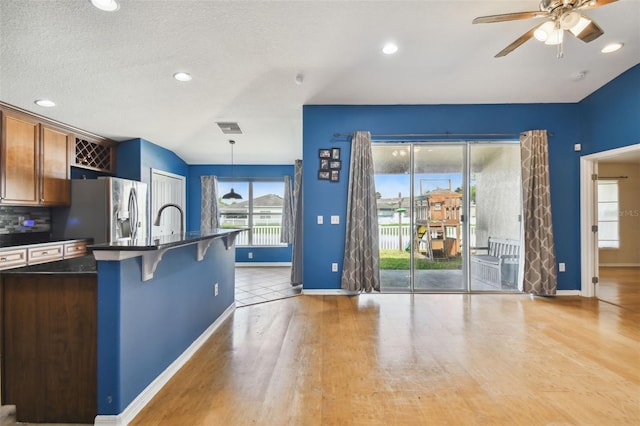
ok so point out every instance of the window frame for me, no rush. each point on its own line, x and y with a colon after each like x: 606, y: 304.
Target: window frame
x: 251, y: 213
x: 616, y: 204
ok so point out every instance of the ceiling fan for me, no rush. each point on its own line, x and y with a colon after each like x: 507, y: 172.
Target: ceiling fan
x: 561, y: 16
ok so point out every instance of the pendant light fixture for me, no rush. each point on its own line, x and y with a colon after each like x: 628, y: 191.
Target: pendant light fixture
x: 231, y: 195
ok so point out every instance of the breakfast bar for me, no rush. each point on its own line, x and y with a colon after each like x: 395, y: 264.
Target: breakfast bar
x: 159, y: 299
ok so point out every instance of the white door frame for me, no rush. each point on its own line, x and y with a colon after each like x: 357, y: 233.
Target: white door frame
x: 588, y: 245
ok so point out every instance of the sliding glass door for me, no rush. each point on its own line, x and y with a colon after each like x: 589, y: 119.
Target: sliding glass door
x: 440, y: 207
x: 392, y: 165
x: 438, y: 182
x: 495, y: 216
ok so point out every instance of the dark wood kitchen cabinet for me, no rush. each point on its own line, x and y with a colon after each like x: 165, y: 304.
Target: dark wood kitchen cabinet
x: 35, y: 161
x: 49, y: 343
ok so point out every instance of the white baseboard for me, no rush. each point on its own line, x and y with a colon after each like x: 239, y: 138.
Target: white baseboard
x: 619, y: 265
x: 568, y: 293
x: 337, y: 292
x: 158, y: 383
x: 261, y: 264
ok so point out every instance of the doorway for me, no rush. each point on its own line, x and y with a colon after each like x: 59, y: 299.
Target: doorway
x: 611, y: 256
x: 167, y: 188
x: 439, y: 206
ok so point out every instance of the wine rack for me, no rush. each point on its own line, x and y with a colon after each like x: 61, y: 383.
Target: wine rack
x: 94, y: 155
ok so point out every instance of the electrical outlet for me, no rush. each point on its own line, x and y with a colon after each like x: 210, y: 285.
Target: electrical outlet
x: 335, y: 220
x: 250, y: 255
x: 561, y: 267
x: 334, y: 267
x: 215, y: 289
x: 320, y: 220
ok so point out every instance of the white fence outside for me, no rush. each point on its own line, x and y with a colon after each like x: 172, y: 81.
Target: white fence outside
x: 388, y: 237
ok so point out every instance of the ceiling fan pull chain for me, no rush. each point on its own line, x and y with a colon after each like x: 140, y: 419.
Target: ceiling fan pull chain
x: 560, y: 51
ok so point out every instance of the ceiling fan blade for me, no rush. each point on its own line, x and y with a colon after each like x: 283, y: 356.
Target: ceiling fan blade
x: 591, y: 32
x: 510, y: 17
x: 519, y: 42
x: 590, y: 4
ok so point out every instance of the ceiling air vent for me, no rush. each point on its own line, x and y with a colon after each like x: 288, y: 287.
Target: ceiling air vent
x: 229, y: 128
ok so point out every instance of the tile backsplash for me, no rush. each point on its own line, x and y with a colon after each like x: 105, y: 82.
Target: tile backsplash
x: 10, y: 217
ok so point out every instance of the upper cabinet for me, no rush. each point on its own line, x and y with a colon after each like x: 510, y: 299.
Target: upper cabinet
x: 19, y: 159
x: 36, y: 154
x: 55, y: 149
x: 35, y: 160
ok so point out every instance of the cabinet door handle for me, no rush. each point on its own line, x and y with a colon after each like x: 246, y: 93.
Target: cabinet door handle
x: 45, y: 252
x: 3, y: 259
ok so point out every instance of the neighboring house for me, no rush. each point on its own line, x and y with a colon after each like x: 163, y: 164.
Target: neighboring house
x: 267, y: 210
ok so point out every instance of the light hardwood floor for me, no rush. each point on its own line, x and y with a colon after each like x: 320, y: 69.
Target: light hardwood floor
x: 400, y: 359
x: 620, y: 286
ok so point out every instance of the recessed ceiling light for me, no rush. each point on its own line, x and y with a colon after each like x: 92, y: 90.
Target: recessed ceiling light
x: 106, y: 5
x: 45, y: 103
x: 390, y: 48
x: 611, y: 47
x: 182, y: 76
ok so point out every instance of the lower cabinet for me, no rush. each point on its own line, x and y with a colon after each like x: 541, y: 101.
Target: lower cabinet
x: 49, y: 328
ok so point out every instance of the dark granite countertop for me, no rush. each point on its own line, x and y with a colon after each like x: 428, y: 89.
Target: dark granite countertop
x: 165, y: 241
x: 79, y: 265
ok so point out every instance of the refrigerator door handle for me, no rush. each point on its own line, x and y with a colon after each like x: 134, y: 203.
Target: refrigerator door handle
x: 133, y: 213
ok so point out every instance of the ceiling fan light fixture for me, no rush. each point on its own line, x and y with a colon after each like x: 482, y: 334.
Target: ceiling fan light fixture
x: 579, y: 26
x: 544, y: 31
x: 569, y: 20
x: 556, y: 36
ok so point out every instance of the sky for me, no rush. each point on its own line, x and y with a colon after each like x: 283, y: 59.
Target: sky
x: 390, y: 185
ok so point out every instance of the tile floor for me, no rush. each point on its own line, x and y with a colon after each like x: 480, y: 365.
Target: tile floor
x: 263, y: 284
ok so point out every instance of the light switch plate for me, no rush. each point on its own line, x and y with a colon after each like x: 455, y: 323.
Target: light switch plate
x: 577, y: 147
x: 320, y: 220
x: 561, y: 267
x: 335, y: 220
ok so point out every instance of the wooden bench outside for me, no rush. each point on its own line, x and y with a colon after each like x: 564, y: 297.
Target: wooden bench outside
x: 499, y: 266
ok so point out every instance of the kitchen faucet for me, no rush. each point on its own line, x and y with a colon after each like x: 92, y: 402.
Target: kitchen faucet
x: 157, y: 221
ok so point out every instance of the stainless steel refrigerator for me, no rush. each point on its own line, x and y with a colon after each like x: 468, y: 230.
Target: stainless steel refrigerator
x: 106, y: 209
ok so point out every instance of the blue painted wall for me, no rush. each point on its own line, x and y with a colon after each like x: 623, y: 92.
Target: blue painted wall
x: 570, y: 124
x: 260, y: 254
x: 144, y: 326
x: 610, y: 116
x: 136, y: 158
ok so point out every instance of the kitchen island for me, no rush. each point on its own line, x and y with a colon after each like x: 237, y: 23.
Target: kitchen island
x: 159, y: 299
x: 136, y: 313
x: 49, y: 319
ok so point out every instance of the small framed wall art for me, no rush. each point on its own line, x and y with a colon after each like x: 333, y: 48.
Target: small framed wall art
x: 330, y: 164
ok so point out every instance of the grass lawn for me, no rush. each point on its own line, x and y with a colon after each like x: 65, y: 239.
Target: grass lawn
x: 394, y: 259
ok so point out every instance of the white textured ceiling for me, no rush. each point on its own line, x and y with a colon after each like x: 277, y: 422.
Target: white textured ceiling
x: 111, y: 73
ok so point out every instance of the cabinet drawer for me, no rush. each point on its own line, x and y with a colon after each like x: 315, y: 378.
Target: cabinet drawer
x: 13, y: 259
x: 44, y: 254
x: 76, y: 249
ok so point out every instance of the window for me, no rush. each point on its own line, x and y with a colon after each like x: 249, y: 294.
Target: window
x: 260, y: 210
x: 608, y: 216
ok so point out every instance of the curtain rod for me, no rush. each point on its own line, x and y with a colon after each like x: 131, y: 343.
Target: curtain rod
x: 417, y: 135
x: 612, y: 177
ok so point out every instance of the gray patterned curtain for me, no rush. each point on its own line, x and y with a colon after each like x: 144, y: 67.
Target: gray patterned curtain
x: 540, y: 276
x: 360, y: 268
x: 296, y: 249
x: 209, y: 209
x: 286, y: 230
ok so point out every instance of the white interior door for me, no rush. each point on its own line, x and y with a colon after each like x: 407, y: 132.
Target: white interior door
x: 167, y: 188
